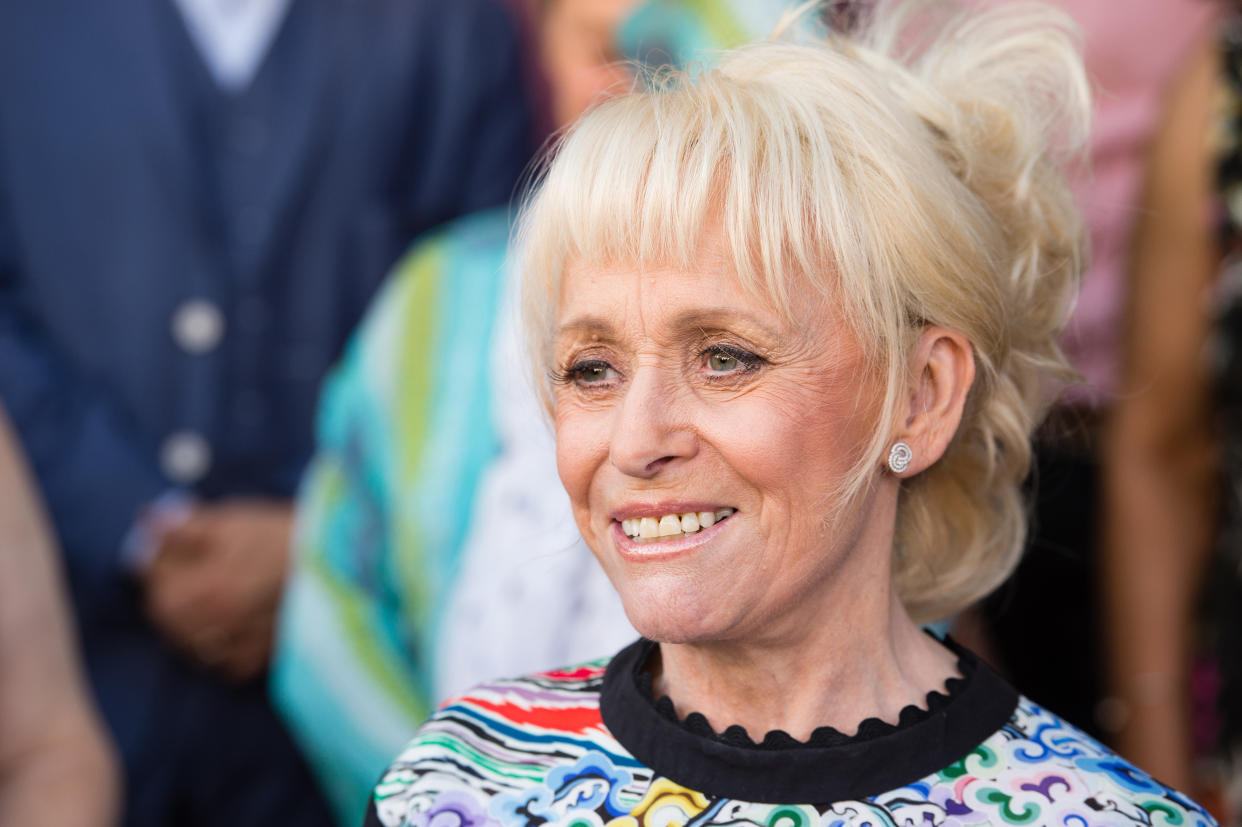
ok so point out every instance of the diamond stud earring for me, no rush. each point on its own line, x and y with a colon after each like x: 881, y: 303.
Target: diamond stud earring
x: 899, y: 457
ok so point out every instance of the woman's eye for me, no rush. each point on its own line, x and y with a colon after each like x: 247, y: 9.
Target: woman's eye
x: 721, y: 362
x: 722, y: 359
x: 592, y: 372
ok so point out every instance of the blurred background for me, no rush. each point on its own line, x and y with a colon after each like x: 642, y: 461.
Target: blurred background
x: 272, y: 486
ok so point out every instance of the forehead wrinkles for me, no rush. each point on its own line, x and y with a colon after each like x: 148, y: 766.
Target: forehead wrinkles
x: 605, y: 303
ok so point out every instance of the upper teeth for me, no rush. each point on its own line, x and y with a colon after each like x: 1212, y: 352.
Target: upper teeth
x: 670, y: 525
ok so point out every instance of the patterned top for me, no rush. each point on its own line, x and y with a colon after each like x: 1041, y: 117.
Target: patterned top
x: 587, y: 746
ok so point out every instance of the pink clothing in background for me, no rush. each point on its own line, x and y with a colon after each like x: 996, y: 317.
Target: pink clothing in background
x: 1134, y: 48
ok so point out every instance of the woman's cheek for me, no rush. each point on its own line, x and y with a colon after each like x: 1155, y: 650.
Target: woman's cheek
x: 581, y: 449
x: 759, y: 435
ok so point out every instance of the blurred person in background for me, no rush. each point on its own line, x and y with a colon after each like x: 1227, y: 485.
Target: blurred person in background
x: 1174, y: 552
x: 435, y: 547
x: 1131, y: 56
x: 197, y: 201
x: 57, y: 766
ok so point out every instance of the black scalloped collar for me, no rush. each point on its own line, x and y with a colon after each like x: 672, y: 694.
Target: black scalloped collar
x: 828, y: 767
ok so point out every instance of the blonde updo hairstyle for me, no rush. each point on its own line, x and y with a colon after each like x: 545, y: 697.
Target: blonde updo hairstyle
x: 912, y: 171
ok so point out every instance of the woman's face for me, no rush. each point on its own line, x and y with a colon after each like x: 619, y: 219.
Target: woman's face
x: 679, y: 394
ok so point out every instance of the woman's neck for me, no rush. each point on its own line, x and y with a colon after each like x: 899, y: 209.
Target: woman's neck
x: 869, y: 661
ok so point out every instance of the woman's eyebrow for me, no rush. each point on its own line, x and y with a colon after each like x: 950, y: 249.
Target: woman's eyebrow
x: 719, y: 318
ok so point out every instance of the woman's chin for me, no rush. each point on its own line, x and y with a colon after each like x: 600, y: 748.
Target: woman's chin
x: 684, y: 589
x: 666, y: 619
x: 673, y: 633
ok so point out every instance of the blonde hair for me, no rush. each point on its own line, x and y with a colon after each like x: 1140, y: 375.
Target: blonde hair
x: 913, y: 171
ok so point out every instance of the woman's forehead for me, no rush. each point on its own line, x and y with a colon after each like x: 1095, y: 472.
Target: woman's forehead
x: 614, y: 300
x: 611, y: 288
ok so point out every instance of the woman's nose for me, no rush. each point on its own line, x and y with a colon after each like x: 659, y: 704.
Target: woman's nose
x: 653, y: 426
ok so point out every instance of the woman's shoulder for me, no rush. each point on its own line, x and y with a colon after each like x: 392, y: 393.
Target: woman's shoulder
x: 497, y: 738
x: 1040, y: 762
x: 558, y: 700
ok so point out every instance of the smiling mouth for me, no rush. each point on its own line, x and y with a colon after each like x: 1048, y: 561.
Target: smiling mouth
x: 671, y: 526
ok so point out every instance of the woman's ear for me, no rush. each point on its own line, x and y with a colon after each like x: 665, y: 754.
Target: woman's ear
x: 943, y: 369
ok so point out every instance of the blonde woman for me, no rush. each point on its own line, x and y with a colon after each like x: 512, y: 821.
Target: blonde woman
x: 797, y: 316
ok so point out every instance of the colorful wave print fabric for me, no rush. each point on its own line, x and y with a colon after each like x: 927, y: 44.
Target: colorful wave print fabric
x: 535, y: 751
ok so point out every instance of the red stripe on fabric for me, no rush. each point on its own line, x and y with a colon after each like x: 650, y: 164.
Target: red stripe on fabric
x: 580, y: 673
x: 565, y: 719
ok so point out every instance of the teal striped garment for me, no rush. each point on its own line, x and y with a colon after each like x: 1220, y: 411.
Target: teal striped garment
x: 405, y: 431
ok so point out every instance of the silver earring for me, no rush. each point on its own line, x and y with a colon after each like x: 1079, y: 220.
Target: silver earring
x: 899, y: 457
